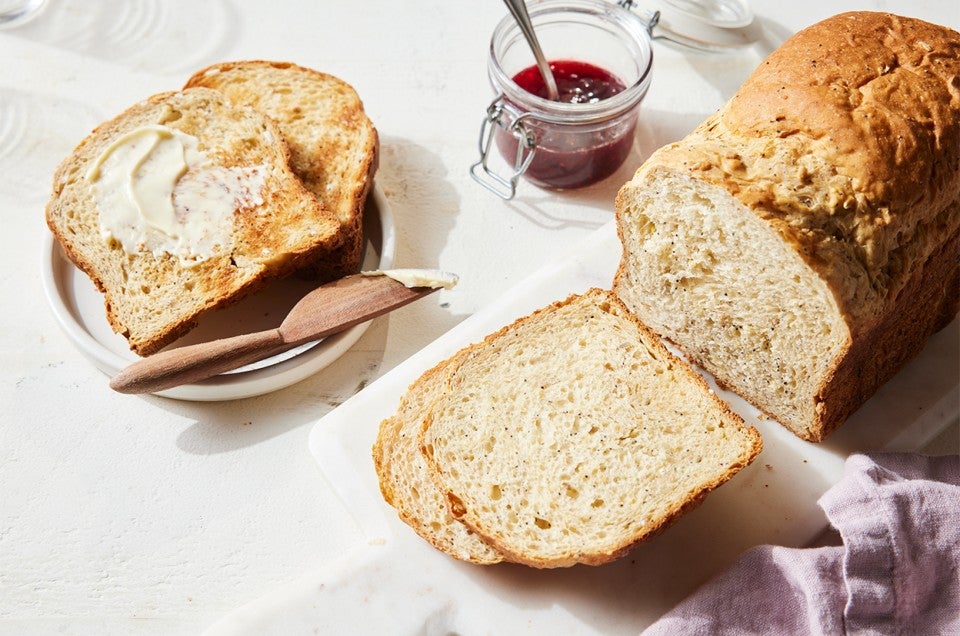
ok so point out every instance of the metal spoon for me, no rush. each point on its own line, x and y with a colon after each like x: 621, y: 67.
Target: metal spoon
x: 519, y: 11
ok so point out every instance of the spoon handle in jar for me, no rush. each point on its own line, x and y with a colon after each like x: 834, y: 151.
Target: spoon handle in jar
x: 519, y: 11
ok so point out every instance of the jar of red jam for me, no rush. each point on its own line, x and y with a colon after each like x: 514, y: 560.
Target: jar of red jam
x: 601, y: 57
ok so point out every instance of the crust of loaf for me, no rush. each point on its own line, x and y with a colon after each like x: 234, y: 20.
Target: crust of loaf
x: 591, y: 555
x: 846, y: 141
x: 154, y: 300
x: 405, y: 482
x: 334, y: 145
x: 929, y: 302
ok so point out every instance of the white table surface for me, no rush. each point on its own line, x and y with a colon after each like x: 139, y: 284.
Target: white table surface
x: 125, y: 514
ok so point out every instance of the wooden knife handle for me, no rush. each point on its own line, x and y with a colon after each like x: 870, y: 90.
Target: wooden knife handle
x: 193, y: 363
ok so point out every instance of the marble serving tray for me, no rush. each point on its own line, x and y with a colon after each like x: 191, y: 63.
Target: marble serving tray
x: 394, y: 582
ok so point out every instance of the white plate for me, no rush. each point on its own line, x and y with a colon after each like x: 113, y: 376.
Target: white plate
x: 394, y: 582
x: 78, y: 307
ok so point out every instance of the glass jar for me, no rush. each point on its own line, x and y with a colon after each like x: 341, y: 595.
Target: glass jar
x: 557, y: 144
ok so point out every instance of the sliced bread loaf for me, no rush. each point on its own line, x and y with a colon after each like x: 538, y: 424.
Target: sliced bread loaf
x: 333, y: 144
x: 181, y: 204
x: 405, y: 481
x: 573, y: 434
x: 803, y: 243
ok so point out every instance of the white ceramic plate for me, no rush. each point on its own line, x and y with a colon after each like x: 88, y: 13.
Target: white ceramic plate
x: 394, y: 582
x: 79, y: 309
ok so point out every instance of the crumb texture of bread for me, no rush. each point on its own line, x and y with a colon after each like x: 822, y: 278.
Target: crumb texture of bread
x: 813, y: 217
x: 405, y: 481
x: 573, y: 434
x: 151, y: 298
x: 333, y: 144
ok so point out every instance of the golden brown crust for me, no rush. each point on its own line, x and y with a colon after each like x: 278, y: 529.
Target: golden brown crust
x: 876, y: 90
x: 928, y: 303
x: 334, y: 145
x: 847, y: 140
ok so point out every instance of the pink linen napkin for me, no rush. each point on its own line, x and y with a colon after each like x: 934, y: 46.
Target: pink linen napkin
x: 897, y: 572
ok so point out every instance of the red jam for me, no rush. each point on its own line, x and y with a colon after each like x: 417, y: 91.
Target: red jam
x: 572, y: 155
x: 577, y: 82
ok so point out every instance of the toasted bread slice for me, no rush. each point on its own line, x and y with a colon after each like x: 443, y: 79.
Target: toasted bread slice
x: 405, y: 481
x: 333, y: 144
x: 269, y: 223
x: 573, y: 434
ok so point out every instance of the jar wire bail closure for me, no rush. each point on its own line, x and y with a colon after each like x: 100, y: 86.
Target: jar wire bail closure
x: 503, y: 187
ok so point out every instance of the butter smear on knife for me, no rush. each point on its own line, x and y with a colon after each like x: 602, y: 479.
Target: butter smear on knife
x: 432, y: 278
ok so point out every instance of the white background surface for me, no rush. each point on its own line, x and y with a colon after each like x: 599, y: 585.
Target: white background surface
x: 123, y: 514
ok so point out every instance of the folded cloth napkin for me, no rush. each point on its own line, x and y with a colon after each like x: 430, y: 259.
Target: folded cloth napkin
x: 897, y: 572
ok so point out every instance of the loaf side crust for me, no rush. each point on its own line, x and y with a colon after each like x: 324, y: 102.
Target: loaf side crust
x: 927, y: 303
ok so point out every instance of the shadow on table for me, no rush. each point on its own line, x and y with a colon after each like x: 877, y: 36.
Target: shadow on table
x: 423, y: 201
x: 414, y: 181
x: 222, y: 427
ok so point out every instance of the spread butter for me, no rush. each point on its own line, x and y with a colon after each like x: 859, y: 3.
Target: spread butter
x: 432, y: 278
x: 156, y: 191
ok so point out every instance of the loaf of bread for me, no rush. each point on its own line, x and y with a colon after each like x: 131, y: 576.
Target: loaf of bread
x: 566, y: 437
x: 803, y: 242
x: 181, y: 204
x: 333, y: 144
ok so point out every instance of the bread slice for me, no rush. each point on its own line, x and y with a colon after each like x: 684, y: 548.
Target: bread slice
x: 271, y: 223
x: 333, y: 144
x: 405, y: 481
x: 803, y: 243
x: 573, y: 434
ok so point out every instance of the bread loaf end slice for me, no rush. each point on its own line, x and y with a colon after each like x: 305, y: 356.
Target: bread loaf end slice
x: 405, y: 482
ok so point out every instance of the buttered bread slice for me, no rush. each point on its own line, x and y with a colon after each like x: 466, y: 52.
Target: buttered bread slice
x: 573, y: 434
x: 333, y: 144
x: 181, y: 204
